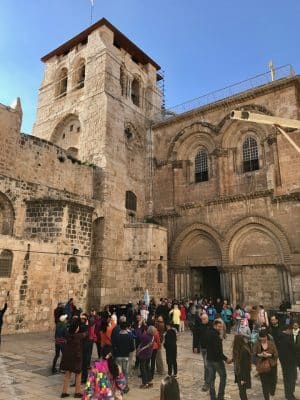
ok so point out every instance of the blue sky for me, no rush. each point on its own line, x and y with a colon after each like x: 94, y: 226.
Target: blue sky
x: 202, y: 45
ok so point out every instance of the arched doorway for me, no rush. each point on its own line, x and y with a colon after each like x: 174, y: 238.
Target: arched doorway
x: 197, y: 269
x: 257, y: 265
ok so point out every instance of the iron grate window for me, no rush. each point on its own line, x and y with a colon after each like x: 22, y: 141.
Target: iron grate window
x: 6, y: 258
x: 72, y: 265
x: 250, y: 155
x: 130, y: 202
x: 201, y: 166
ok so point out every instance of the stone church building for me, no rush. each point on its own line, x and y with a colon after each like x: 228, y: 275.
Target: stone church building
x: 112, y: 195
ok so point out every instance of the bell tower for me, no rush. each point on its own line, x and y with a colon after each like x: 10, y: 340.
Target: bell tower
x: 97, y: 101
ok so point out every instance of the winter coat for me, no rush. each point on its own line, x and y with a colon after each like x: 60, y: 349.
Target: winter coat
x: 72, y: 355
x: 2, y: 313
x: 175, y: 315
x: 242, y: 368
x: 170, y: 343
x: 61, y: 333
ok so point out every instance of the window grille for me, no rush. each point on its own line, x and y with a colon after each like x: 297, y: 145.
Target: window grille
x: 130, y: 202
x: 6, y: 258
x: 201, y: 166
x: 250, y: 155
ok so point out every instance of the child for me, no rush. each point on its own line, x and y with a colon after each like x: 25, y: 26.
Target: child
x: 170, y: 344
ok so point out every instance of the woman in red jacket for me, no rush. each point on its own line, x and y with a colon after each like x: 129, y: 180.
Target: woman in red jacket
x: 182, y: 318
x: 156, y: 345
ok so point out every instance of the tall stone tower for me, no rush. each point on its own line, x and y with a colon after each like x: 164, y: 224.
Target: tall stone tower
x: 97, y: 100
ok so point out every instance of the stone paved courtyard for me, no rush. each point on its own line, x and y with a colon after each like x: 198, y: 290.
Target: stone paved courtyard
x: 25, y: 372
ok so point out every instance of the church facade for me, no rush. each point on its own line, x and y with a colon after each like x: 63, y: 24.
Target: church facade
x: 108, y: 197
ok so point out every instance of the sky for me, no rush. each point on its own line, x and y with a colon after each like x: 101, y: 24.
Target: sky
x: 202, y: 45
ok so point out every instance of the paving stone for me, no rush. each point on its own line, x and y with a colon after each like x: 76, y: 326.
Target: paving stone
x: 32, y: 383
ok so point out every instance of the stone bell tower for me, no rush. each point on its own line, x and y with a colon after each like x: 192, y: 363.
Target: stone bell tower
x: 97, y: 100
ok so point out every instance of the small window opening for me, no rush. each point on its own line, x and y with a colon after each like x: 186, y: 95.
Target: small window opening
x: 72, y: 265
x: 135, y: 92
x: 71, y: 127
x: 131, y: 201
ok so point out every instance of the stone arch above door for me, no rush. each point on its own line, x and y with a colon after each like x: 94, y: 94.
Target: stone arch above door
x: 67, y: 133
x: 256, y: 240
x: 197, y: 245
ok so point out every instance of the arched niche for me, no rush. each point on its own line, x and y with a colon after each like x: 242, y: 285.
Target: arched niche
x: 67, y: 133
x: 7, y: 215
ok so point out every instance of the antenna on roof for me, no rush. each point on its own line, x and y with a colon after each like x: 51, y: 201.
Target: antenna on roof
x: 92, y: 10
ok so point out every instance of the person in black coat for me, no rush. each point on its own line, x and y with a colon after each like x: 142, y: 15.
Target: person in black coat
x: 2, y: 314
x: 170, y: 344
x: 72, y: 358
x: 288, y: 360
x: 215, y: 360
x: 242, y: 365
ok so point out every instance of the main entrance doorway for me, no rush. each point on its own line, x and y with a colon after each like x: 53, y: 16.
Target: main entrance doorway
x: 205, y: 281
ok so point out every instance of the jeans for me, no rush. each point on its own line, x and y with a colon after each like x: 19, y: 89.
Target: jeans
x: 58, y: 350
x: 219, y: 368
x: 159, y: 362
x: 123, y: 363
x: 145, y: 370
x: 171, y: 362
x: 206, y: 371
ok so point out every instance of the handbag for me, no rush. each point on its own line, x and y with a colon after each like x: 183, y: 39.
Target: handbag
x: 263, y: 366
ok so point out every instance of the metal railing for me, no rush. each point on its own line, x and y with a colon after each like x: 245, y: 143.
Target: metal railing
x: 285, y: 71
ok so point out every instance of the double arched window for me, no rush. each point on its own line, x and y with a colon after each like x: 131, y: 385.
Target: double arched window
x: 201, y: 166
x: 250, y: 155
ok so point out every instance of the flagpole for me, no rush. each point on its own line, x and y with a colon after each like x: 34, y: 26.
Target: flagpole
x: 92, y: 9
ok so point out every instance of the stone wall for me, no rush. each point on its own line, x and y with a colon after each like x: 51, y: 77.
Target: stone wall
x: 235, y: 218
x: 47, y: 204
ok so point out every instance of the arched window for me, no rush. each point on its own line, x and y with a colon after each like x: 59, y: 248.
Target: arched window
x: 79, y: 75
x: 6, y: 259
x: 160, y: 274
x: 201, y: 166
x: 62, y: 83
x: 72, y: 265
x: 250, y: 155
x: 130, y: 202
x: 135, y: 92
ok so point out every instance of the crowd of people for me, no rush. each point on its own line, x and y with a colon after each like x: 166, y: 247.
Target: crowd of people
x: 138, y: 336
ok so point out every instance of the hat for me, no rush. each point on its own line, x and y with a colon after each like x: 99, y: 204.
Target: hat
x: 63, y: 317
